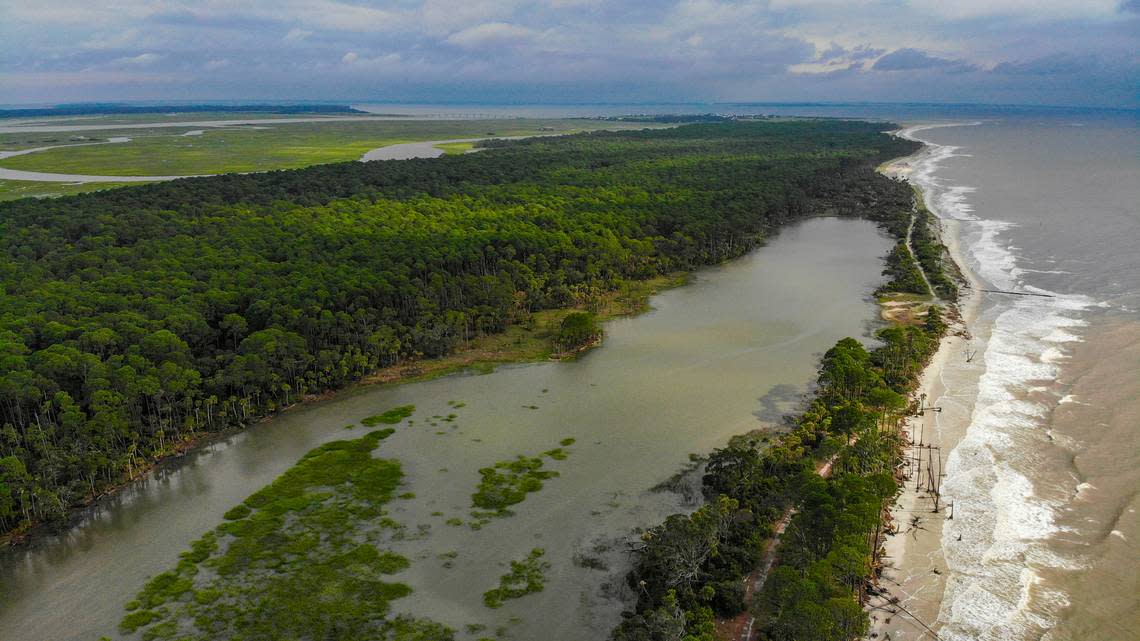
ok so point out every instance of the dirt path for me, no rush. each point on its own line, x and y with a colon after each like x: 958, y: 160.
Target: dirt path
x: 910, y: 249
x: 743, y: 626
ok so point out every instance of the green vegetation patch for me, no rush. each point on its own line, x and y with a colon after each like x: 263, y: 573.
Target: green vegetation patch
x: 454, y: 148
x: 931, y: 253
x: 165, y: 151
x: 299, y: 559
x: 904, y: 272
x: 507, y: 483
x: 391, y: 417
x: 578, y: 330
x: 526, y: 577
x: 14, y: 189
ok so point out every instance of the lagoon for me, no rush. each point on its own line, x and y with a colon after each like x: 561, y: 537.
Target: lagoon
x: 731, y: 352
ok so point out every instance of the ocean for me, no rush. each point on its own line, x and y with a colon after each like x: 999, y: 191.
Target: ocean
x: 1045, y: 539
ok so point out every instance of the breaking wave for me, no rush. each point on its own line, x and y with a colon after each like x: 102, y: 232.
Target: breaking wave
x: 993, y: 546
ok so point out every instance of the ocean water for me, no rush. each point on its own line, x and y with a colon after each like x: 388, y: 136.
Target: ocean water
x: 1045, y: 540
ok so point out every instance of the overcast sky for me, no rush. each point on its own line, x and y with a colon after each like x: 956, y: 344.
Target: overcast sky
x: 1055, y: 52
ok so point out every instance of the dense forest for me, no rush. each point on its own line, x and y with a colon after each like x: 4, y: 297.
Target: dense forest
x: 134, y: 320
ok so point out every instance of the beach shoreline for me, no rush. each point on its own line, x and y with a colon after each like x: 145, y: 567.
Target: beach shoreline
x: 914, y: 570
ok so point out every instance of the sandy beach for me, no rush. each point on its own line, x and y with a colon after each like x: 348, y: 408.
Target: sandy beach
x: 914, y: 572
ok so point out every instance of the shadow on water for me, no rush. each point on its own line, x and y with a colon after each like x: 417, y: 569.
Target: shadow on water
x: 781, y: 403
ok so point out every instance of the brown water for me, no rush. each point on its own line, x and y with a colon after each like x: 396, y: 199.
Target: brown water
x: 1099, y: 419
x: 724, y: 355
x: 1044, y: 543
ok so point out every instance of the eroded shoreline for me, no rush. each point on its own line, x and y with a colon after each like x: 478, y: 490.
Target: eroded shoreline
x: 914, y: 574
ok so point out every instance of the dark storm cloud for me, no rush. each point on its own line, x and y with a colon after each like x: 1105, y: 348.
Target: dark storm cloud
x: 1061, y: 63
x: 915, y: 59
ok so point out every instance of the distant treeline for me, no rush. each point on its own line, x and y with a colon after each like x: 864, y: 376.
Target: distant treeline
x: 136, y: 319
x: 96, y: 109
x: 668, y: 118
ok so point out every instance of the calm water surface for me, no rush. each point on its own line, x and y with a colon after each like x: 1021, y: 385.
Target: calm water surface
x: 729, y: 353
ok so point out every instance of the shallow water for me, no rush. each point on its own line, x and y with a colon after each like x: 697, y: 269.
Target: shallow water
x: 1044, y: 541
x: 726, y: 354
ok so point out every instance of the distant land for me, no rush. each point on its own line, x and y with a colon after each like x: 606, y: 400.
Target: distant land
x: 88, y: 109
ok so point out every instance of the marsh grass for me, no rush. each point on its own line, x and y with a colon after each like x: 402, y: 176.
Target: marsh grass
x: 455, y: 148
x: 278, y: 145
x: 507, y: 483
x: 391, y: 417
x: 15, y: 189
x: 526, y: 577
x: 297, y: 559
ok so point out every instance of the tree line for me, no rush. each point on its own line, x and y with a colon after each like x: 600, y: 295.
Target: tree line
x: 135, y: 320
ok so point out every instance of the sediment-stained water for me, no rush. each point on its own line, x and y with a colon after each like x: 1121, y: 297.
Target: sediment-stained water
x: 726, y: 354
x: 1045, y: 539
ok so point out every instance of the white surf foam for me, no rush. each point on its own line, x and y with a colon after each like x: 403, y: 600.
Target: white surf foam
x: 994, y: 590
x: 1083, y: 490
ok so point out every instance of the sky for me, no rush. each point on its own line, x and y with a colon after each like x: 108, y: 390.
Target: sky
x: 1038, y: 52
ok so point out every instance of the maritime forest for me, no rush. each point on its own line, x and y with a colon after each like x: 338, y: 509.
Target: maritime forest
x: 137, y: 322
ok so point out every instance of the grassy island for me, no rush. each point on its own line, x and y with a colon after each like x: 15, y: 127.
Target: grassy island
x: 301, y: 558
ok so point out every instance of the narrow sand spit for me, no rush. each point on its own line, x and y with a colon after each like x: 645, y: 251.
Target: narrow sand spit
x: 914, y: 571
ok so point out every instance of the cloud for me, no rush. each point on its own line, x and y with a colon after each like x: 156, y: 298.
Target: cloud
x: 143, y: 59
x: 360, y: 62
x: 297, y: 35
x: 581, y: 50
x: 837, y: 59
x: 864, y: 52
x: 909, y: 59
x: 112, y: 40
x: 71, y: 12
x: 490, y: 34
x: 339, y: 16
x: 1032, y: 10
x: 1060, y: 63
